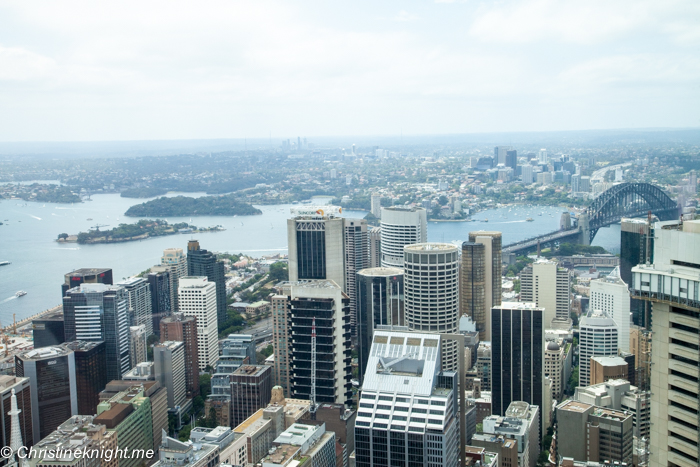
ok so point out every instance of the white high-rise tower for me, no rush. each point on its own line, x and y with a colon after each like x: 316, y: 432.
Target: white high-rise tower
x: 16, y: 436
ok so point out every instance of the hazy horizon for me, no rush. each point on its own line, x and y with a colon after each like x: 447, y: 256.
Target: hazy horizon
x: 171, y: 70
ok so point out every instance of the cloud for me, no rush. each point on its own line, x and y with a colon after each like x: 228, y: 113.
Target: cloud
x: 19, y: 64
x: 404, y: 16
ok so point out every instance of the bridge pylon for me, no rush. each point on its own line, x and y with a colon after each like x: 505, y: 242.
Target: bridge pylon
x: 584, y: 229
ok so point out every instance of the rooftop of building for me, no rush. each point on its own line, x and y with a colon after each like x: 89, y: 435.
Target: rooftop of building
x: 258, y: 304
x: 131, y: 281
x: 82, y: 346
x: 281, y: 454
x: 74, y: 433
x: 94, y: 288
x: 196, y: 282
x: 175, y: 317
x: 429, y: 247
x: 251, y: 370
x: 252, y: 423
x: 596, y: 318
x: 43, y: 353
x: 114, y: 415
x: 381, y: 272
x: 51, y: 316
x: 403, y: 208
x: 211, y: 435
x: 492, y: 438
x: 171, y: 345
x: 88, y: 271
x: 517, y: 306
x: 298, y: 434
x: 312, y: 283
x: 610, y: 361
x: 518, y: 409
x: 7, y: 381
x: 488, y: 233
x: 574, y: 406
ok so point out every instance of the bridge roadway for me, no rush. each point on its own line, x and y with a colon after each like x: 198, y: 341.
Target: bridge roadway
x: 546, y: 238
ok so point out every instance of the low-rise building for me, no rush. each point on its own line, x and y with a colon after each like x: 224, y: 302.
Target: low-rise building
x: 303, y: 443
x: 605, y: 368
x: 175, y: 453
x: 521, y: 423
x: 506, y: 448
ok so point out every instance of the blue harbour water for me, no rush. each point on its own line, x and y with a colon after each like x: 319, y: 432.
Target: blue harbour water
x: 27, y: 240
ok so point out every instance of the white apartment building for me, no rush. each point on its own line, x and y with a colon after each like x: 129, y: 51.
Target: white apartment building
x: 197, y: 297
x: 400, y: 227
x: 547, y: 285
x: 610, y: 294
x: 597, y: 338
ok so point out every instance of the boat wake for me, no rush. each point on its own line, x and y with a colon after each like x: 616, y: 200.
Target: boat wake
x: 8, y: 299
x: 37, y: 218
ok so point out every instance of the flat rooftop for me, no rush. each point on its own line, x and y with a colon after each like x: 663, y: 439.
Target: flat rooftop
x: 430, y: 246
x: 44, y: 353
x: 251, y: 370
x: 381, y: 272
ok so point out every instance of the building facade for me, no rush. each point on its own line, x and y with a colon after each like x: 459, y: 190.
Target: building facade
x: 431, y: 281
x: 159, y: 282
x: 204, y: 263
x: 138, y: 294
x: 22, y: 390
x: 481, y: 272
x: 198, y: 297
x: 169, y: 363
x: 86, y: 276
x: 90, y: 374
x: 251, y: 389
x: 610, y: 294
x: 536, y: 282
x: 356, y: 259
x: 175, y: 260
x: 401, y: 226
x: 179, y: 327
x: 597, y: 338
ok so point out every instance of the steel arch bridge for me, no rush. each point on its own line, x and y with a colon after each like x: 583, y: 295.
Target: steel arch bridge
x: 629, y: 200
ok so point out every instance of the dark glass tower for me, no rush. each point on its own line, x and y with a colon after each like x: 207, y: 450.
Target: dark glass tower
x: 159, y: 282
x: 517, y: 355
x: 379, y: 302
x: 204, y: 263
x: 90, y: 374
x: 86, y: 276
x: 98, y: 312
x: 633, y: 251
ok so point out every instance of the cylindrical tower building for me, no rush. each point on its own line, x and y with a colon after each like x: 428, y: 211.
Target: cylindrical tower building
x: 380, y: 294
x: 431, y: 277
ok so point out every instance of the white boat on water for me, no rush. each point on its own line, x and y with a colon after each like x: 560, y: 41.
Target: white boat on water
x: 21, y: 293
x: 4, y: 263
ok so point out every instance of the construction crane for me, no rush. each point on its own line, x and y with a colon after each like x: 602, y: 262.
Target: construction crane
x: 313, y: 369
x: 97, y: 226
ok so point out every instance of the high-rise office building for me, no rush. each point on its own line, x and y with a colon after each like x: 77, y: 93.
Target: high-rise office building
x: 635, y: 236
x: 401, y: 226
x: 431, y: 281
x: 279, y: 304
x: 236, y: 350
x: 598, y: 337
x: 90, y: 374
x: 169, y: 360
x: 408, y: 409
x: 500, y: 153
x: 251, y: 389
x: 481, y: 278
x: 22, y: 391
x: 548, y: 286
x: 197, y: 298
x: 316, y: 245
x: 640, y: 347
x: 542, y: 157
x: 585, y: 184
x: 204, y: 263
x: 575, y: 183
x: 138, y: 348
x: 380, y: 297
x: 527, y: 174
x: 54, y: 393
x: 517, y: 368
x: 138, y: 294
x: 376, y: 205
x: 356, y: 258
x: 375, y: 247
x: 610, y: 295
x: 159, y: 284
x: 672, y: 285
x: 86, y: 276
x: 179, y: 327
x: 99, y: 313
x: 47, y: 330
x: 511, y: 159
x: 176, y: 262
x: 323, y: 303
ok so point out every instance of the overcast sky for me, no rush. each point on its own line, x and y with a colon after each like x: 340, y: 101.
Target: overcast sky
x: 122, y: 70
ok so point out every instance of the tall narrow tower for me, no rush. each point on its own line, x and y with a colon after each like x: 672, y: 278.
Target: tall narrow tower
x: 16, y: 441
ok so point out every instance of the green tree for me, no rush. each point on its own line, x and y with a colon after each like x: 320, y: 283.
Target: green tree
x: 150, y: 342
x: 279, y: 272
x: 184, y: 433
x: 205, y: 385
x: 211, y: 419
x: 63, y: 236
x: 267, y: 351
x: 197, y: 404
x: 443, y: 200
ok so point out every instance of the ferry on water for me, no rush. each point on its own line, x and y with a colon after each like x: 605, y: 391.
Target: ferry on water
x: 21, y: 293
x: 4, y: 263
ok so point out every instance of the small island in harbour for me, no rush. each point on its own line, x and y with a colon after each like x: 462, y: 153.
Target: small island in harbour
x: 143, y: 229
x: 181, y: 206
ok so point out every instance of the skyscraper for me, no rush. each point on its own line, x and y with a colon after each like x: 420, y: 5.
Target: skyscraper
x: 279, y: 305
x: 375, y: 247
x: 376, y: 205
x: 99, y: 313
x: 316, y: 245
x: 90, y: 374
x: 159, y: 284
x: 251, y: 389
x: 380, y: 295
x: 323, y: 303
x: 86, y: 276
x: 51, y: 373
x: 139, y: 296
x: 542, y: 157
x: 408, y: 409
x: 598, y: 337
x: 635, y: 236
x: 176, y: 262
x: 204, y: 263
x: 169, y: 360
x: 179, y: 327
x: 481, y: 278
x: 21, y: 388
x: 138, y: 348
x: 499, y: 154
x: 511, y: 159
x: 356, y: 259
x: 610, y: 295
x: 527, y: 174
x: 197, y: 298
x: 672, y: 285
x: 548, y: 286
x: 401, y: 226
x: 517, y: 355
x: 431, y: 301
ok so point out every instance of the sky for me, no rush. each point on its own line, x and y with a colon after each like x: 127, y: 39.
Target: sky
x: 153, y: 70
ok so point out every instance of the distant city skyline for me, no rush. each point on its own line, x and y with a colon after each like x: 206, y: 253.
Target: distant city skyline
x: 78, y: 71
